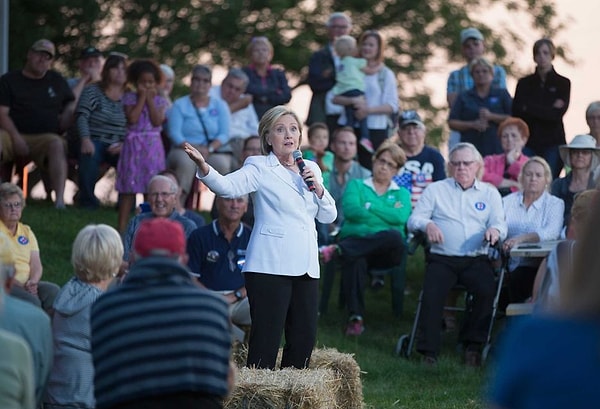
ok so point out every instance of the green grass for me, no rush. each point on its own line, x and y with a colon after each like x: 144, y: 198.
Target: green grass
x: 388, y: 381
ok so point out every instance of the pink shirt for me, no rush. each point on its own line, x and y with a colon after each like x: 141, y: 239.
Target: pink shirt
x: 494, y: 165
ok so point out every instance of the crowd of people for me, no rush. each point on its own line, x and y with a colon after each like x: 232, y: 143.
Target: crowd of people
x: 356, y: 191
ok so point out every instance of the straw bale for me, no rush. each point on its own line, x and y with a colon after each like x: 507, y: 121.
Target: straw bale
x: 286, y: 389
x: 349, y: 393
x: 347, y: 389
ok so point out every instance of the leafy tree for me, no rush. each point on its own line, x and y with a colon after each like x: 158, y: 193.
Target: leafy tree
x: 182, y: 33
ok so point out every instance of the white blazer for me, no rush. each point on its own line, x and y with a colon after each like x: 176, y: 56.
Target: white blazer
x: 284, y: 237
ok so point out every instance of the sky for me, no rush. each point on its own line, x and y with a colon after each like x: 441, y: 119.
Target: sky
x: 580, y: 35
x: 582, y: 24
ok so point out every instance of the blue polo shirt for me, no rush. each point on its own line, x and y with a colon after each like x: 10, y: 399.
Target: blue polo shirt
x: 218, y: 261
x: 466, y: 108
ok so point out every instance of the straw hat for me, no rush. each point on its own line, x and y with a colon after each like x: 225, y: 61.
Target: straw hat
x: 581, y: 142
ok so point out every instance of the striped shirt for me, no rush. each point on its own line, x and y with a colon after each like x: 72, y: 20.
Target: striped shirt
x: 99, y: 117
x: 159, y: 334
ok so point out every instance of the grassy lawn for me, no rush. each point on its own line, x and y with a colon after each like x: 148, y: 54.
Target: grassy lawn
x: 388, y: 381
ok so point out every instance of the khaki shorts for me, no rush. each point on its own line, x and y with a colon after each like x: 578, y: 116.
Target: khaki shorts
x: 38, y: 144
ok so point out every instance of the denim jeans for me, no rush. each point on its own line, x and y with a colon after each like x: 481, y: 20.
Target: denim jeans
x: 89, y: 166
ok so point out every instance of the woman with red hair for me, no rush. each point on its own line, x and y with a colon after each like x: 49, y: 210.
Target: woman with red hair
x: 502, y: 170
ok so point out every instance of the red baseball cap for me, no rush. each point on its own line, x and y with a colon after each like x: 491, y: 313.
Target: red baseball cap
x: 159, y: 236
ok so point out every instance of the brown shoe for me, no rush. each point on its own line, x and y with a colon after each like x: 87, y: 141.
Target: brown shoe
x: 472, y: 358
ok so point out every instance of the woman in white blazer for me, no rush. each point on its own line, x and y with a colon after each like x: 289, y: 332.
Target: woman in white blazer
x: 282, y: 259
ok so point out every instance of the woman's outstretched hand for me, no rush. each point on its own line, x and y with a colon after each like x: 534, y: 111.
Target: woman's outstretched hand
x: 195, y: 155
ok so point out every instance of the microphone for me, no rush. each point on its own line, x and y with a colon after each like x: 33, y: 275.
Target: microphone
x: 297, y: 155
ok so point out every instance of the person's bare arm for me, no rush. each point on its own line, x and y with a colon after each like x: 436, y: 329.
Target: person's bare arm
x: 65, y: 119
x: 133, y: 112
x: 241, y: 103
x: 157, y: 115
x: 19, y: 146
x: 35, y: 272
x: 460, y: 125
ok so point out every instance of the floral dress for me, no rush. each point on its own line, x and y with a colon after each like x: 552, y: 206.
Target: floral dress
x: 143, y: 154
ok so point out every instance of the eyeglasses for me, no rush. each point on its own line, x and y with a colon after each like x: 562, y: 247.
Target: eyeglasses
x: 202, y: 80
x: 458, y: 163
x: 385, y: 163
x: 15, y: 205
x: 154, y: 195
x: 582, y: 152
x: 339, y: 27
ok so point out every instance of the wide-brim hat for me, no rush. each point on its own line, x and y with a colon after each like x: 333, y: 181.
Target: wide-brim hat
x: 587, y: 142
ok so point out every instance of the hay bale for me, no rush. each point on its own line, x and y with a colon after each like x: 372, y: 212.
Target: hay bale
x: 349, y: 394
x: 285, y: 389
x: 348, y: 389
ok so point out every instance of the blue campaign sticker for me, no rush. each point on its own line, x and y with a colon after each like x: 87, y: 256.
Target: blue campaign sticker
x: 23, y: 240
x: 494, y: 100
x: 480, y: 206
x: 214, y: 112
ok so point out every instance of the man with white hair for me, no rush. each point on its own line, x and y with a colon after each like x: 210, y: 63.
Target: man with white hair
x: 460, y: 217
x: 321, y: 74
x: 162, y: 196
x: 243, y: 122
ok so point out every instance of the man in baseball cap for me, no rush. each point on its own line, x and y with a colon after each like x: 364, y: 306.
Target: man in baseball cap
x: 424, y: 164
x: 159, y: 316
x: 36, y: 108
x: 472, y: 47
x: 160, y: 237
x: 45, y: 46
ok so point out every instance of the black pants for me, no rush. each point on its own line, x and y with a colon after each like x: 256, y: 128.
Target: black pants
x: 442, y: 273
x: 383, y: 249
x: 282, y: 304
x: 520, y: 285
x: 377, y: 136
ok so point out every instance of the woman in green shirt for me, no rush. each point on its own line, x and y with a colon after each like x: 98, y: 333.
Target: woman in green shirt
x: 373, y: 233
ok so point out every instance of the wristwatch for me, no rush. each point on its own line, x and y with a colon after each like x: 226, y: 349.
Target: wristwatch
x: 238, y: 295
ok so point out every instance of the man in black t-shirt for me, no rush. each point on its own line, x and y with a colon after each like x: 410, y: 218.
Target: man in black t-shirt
x: 36, y: 106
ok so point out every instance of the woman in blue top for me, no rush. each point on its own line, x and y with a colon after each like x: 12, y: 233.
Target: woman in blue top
x: 476, y: 113
x: 201, y: 121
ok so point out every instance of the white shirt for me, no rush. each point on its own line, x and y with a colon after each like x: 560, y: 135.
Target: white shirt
x: 463, y: 216
x: 244, y: 123
x: 544, y: 217
x: 380, y: 88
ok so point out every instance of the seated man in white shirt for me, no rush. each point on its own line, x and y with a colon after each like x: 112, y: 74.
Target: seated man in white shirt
x: 244, y: 122
x: 459, y: 215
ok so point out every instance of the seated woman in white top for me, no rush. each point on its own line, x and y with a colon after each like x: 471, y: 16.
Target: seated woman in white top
x: 532, y: 215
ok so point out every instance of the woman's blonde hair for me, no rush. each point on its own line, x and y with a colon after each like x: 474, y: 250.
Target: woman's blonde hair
x: 97, y: 253
x: 268, y: 120
x: 482, y: 62
x: 258, y: 40
x: 545, y: 165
